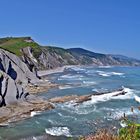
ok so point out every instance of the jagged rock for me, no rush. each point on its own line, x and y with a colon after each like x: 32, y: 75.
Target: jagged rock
x: 10, y: 91
x: 55, y: 57
x: 16, y: 68
x: 23, y: 110
x: 28, y: 58
x: 14, y: 76
x: 0, y: 99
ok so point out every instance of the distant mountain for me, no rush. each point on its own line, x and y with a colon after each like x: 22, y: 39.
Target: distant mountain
x: 39, y: 57
x: 127, y: 60
x: 123, y: 57
x: 103, y: 59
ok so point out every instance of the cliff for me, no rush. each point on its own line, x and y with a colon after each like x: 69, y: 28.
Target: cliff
x: 39, y: 57
x: 21, y: 58
x: 14, y: 77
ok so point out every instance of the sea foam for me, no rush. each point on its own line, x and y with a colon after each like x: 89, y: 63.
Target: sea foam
x: 137, y: 98
x: 112, y: 95
x: 58, y: 131
x: 65, y: 87
x: 105, y: 66
x: 108, y: 74
x: 34, y: 113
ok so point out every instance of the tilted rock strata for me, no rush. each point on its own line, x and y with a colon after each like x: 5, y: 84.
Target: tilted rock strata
x: 14, y: 76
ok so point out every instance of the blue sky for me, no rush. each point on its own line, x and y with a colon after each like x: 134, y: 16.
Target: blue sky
x: 107, y: 26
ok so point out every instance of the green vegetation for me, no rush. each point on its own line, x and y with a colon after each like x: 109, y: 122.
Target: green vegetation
x: 57, y: 50
x: 14, y: 45
x: 130, y: 132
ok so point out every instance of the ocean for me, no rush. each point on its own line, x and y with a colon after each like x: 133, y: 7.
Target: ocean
x: 68, y: 120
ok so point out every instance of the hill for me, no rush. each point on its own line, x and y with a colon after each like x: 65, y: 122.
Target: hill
x: 39, y: 57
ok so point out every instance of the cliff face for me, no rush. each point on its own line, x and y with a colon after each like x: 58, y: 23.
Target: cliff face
x: 14, y: 76
x: 89, y: 57
x: 37, y: 57
x: 52, y: 57
x: 20, y: 58
x: 15, y: 68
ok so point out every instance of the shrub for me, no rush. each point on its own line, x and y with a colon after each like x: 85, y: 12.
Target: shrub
x: 130, y: 132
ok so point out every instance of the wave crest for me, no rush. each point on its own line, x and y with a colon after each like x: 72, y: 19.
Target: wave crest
x: 58, y: 131
x: 108, y: 74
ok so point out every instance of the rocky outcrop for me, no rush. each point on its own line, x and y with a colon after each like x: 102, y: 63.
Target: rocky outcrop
x: 23, y: 110
x: 39, y: 57
x: 10, y: 91
x: 16, y: 68
x: 80, y: 99
x: 53, y: 57
x: 33, y: 104
x: 14, y: 77
x: 29, y: 59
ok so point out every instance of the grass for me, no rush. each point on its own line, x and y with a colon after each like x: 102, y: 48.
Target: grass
x: 57, y: 50
x: 14, y: 45
x: 131, y: 132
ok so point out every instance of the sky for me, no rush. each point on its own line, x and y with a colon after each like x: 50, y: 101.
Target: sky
x: 105, y: 26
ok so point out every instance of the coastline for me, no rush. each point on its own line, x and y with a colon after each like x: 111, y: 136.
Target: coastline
x: 52, y: 71
x: 35, y: 104
x: 23, y: 109
x: 44, y: 85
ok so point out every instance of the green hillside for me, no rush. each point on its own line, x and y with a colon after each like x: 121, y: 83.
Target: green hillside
x: 15, y: 44
x: 54, y: 56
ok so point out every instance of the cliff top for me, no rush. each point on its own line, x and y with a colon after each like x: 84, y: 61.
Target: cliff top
x: 15, y: 44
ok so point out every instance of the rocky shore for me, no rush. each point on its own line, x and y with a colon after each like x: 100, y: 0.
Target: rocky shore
x: 39, y: 88
x: 17, y: 86
x: 20, y: 82
x: 32, y: 103
x: 17, y: 112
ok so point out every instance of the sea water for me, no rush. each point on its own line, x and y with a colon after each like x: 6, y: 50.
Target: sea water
x: 100, y: 112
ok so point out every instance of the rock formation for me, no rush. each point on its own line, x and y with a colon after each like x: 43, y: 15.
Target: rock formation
x: 14, y: 76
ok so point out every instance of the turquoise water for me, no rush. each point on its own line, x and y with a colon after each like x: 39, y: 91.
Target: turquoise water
x: 70, y: 120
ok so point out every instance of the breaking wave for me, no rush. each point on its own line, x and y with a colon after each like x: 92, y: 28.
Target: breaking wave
x: 81, y: 109
x: 108, y: 74
x: 64, y: 116
x: 65, y: 87
x: 89, y: 82
x: 112, y: 95
x: 58, y: 131
x: 78, y: 69
x: 117, y: 114
x: 34, y: 113
x: 105, y: 66
x: 137, y: 98
x: 70, y: 77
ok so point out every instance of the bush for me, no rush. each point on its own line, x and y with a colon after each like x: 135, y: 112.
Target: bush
x: 130, y: 132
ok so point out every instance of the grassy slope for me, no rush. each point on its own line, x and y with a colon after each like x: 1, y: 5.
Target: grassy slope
x: 14, y: 45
